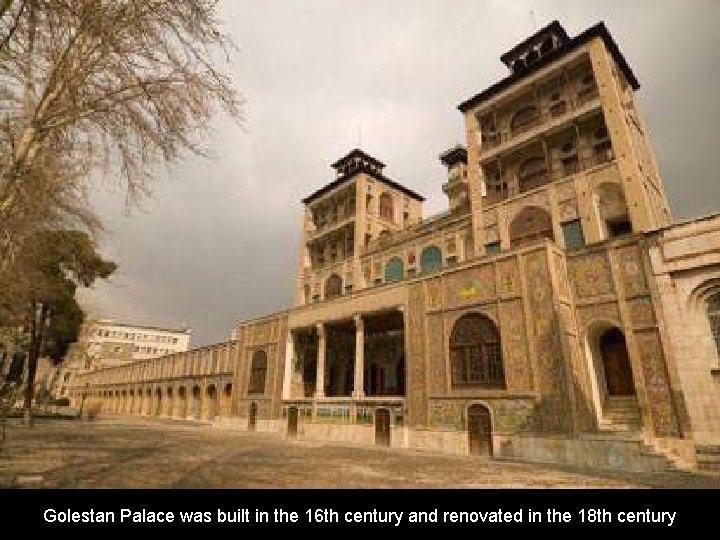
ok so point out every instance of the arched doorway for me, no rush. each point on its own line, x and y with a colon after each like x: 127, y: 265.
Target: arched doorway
x: 382, y: 427
x: 252, y: 417
x: 182, y: 402
x: 227, y: 400
x: 169, y: 401
x: 479, y: 430
x: 292, y: 416
x: 212, y: 406
x: 196, y: 402
x: 158, y: 402
x: 616, y: 363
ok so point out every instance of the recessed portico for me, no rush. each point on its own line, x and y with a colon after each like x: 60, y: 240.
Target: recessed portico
x: 340, y: 370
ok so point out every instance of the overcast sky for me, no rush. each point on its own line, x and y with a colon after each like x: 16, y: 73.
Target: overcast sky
x: 218, y: 241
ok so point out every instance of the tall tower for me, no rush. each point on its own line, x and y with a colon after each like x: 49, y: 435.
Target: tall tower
x: 343, y: 217
x: 557, y: 148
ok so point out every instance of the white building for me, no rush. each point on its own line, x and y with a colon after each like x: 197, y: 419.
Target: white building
x: 106, y: 343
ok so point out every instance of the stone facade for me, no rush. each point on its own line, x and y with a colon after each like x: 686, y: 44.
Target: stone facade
x: 553, y: 314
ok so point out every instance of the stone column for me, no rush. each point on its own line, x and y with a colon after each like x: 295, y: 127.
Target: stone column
x: 320, y: 371
x: 289, y: 362
x: 358, y: 391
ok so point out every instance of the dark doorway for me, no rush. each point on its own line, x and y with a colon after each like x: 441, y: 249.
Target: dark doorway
x: 292, y: 422
x: 616, y: 363
x: 382, y: 427
x: 252, y: 418
x: 196, y: 402
x: 384, y: 354
x: 479, y: 430
x: 158, y: 402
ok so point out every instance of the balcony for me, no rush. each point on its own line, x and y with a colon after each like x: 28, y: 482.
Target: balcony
x: 514, y: 185
x: 330, y: 225
x: 560, y: 111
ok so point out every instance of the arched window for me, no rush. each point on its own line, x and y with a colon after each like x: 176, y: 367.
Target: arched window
x: 394, y: 270
x: 475, y: 353
x: 258, y: 369
x: 333, y: 286
x: 524, y: 119
x: 616, y: 363
x: 532, y: 174
x: 386, y: 207
x: 430, y: 259
x: 713, y: 312
x: 530, y: 225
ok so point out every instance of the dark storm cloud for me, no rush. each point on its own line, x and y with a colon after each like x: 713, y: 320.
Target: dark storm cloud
x: 218, y: 243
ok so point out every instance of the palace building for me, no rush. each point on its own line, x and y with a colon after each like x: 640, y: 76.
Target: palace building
x: 555, y: 312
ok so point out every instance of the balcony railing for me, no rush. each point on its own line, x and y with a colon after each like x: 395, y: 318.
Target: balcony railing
x: 586, y: 94
x: 541, y: 178
x: 557, y: 109
x: 329, y: 222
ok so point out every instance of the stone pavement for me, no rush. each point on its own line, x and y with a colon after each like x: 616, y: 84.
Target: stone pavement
x: 128, y: 452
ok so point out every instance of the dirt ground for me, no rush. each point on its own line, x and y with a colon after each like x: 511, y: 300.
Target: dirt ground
x: 131, y: 452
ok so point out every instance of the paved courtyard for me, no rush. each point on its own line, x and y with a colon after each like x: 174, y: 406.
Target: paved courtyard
x: 131, y: 452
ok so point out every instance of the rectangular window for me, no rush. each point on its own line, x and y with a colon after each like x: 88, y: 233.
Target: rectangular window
x: 573, y: 234
x: 492, y: 247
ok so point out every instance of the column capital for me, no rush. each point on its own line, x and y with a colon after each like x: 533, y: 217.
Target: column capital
x: 358, y: 318
x: 320, y: 327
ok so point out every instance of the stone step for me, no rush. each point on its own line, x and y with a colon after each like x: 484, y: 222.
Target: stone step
x: 615, y: 415
x: 708, y: 457
x: 619, y: 428
x: 708, y: 463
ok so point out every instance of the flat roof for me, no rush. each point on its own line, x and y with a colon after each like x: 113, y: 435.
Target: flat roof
x: 599, y: 30
x: 110, y: 322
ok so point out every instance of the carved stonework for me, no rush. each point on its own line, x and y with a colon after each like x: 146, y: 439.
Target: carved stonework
x: 561, y: 274
x: 550, y: 379
x: 590, y: 275
x: 633, y: 273
x: 662, y: 411
x: 567, y: 321
x: 492, y: 234
x: 416, y: 395
x: 262, y: 333
x: 642, y: 312
x: 568, y: 210
x: 508, y: 277
x: 447, y: 414
x: 508, y: 415
x: 607, y: 311
x: 514, y: 345
x: 565, y: 191
x: 433, y: 294
x: 470, y: 286
x: 490, y: 218
x: 513, y: 416
x: 436, y: 354
x: 539, y: 200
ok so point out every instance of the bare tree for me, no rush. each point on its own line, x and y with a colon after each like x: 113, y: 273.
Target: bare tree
x: 111, y: 88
